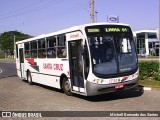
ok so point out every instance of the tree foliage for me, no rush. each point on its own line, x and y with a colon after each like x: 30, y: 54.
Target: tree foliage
x: 7, y: 40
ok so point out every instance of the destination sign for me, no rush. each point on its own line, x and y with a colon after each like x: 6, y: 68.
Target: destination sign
x: 107, y: 29
x: 93, y: 30
x: 123, y: 29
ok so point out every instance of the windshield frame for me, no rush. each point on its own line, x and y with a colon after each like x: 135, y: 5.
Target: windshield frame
x: 102, y: 31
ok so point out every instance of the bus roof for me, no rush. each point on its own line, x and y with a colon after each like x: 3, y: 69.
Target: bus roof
x: 74, y: 28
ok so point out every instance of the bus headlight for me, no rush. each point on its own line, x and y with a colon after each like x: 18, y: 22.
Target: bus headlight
x: 135, y: 75
x: 98, y: 81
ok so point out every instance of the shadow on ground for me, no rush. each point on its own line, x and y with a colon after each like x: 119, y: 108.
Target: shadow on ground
x: 132, y: 93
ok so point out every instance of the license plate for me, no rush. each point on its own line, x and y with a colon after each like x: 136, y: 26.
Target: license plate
x: 119, y: 86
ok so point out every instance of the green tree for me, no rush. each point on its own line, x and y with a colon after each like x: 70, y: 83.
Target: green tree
x: 7, y: 40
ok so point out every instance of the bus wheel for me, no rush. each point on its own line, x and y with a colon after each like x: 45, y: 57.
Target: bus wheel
x: 29, y: 78
x: 66, y: 86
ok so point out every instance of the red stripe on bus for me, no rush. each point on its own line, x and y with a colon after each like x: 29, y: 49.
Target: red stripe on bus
x: 31, y: 61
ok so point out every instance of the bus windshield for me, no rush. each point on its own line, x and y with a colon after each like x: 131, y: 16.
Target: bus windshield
x: 112, y: 50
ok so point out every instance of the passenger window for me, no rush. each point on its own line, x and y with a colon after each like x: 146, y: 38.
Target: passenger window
x: 33, y: 49
x: 41, y: 48
x: 61, y: 47
x: 27, y: 50
x: 51, y: 47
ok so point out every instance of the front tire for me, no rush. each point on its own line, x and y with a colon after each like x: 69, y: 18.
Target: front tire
x: 66, y: 87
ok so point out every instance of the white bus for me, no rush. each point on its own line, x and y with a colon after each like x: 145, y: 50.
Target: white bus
x: 90, y: 59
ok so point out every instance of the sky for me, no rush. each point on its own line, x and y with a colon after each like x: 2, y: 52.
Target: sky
x: 35, y: 17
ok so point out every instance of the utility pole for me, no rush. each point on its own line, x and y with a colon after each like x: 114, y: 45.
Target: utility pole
x: 96, y: 15
x: 14, y: 52
x: 91, y: 11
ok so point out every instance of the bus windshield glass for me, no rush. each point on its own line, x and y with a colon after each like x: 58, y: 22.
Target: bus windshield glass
x: 112, y: 49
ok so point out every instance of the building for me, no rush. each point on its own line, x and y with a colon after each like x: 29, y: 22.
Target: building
x: 147, y: 42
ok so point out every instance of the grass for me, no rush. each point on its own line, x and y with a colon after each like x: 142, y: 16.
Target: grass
x: 6, y: 59
x: 150, y: 83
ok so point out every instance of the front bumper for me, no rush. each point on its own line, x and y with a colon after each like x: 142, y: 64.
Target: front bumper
x: 97, y: 89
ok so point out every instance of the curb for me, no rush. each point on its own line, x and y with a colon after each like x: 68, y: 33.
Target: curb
x: 147, y: 88
x: 140, y: 87
x: 150, y: 88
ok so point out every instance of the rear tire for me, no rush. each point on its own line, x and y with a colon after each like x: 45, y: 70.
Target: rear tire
x: 66, y: 87
x: 29, y: 78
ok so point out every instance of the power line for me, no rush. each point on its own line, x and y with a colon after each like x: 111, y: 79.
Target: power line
x: 82, y: 6
x: 21, y: 23
x: 20, y: 9
x: 48, y: 4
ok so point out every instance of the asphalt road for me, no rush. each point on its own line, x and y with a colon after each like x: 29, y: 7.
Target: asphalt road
x: 7, y: 68
x: 17, y: 95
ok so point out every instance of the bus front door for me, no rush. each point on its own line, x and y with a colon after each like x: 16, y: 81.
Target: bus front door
x: 21, y: 61
x: 76, y: 66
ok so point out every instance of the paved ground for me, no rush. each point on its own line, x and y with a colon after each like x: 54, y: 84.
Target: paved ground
x: 7, y: 68
x: 17, y: 95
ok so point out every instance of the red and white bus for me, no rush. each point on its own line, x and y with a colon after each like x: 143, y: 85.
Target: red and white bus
x: 90, y: 59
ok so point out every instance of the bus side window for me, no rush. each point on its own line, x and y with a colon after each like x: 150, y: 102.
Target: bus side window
x: 51, y: 47
x: 27, y: 50
x: 61, y: 46
x: 34, y: 49
x: 41, y: 48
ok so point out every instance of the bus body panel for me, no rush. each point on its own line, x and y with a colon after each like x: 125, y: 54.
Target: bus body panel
x: 18, y: 68
x: 20, y: 60
x: 74, y: 36
x: 47, y: 71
